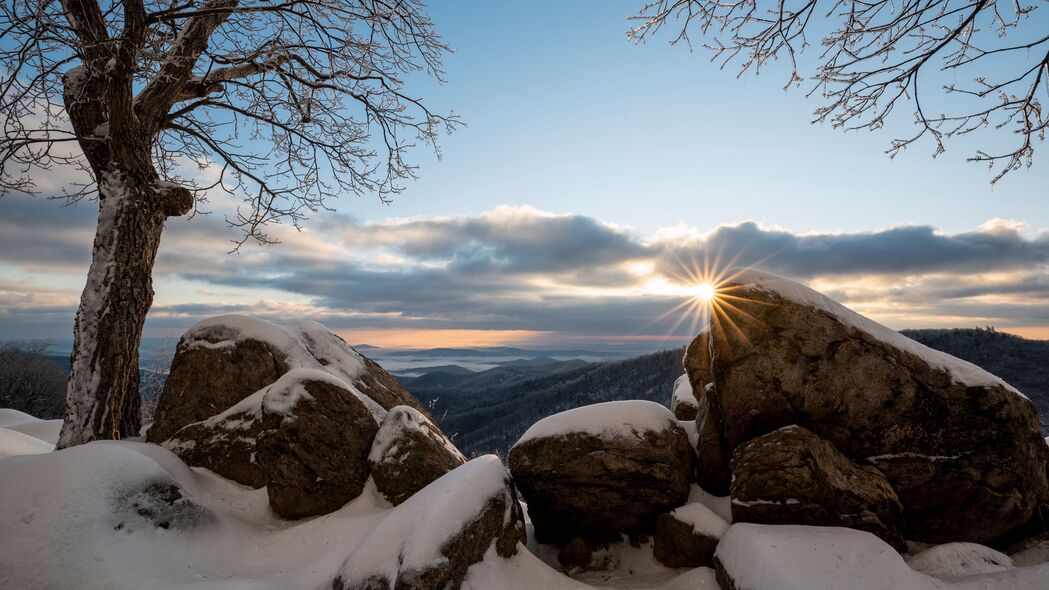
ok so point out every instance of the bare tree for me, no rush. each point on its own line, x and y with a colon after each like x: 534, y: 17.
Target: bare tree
x: 291, y: 103
x: 29, y: 381
x: 876, y: 55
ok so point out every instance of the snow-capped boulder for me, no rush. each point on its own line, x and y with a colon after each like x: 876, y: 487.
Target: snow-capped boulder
x: 429, y: 541
x: 688, y: 536
x: 314, y: 444
x: 222, y: 360
x: 792, y: 476
x: 762, y: 557
x: 683, y: 401
x: 960, y: 447
x: 600, y: 471
x: 408, y: 453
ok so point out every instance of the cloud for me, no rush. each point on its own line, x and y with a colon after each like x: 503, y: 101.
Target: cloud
x: 518, y: 268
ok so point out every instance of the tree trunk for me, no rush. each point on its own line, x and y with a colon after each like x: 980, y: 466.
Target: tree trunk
x: 102, y: 400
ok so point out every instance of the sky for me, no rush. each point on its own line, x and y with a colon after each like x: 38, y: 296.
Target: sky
x: 590, y: 175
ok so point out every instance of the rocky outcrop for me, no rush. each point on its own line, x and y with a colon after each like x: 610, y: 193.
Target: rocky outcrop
x: 792, y: 476
x: 429, y: 541
x: 960, y: 447
x: 688, y: 536
x: 601, y: 471
x: 314, y: 443
x: 223, y: 360
x: 408, y: 453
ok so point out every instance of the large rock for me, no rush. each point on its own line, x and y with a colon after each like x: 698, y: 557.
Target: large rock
x: 222, y: 360
x: 600, y: 471
x: 961, y: 447
x: 305, y: 438
x: 314, y: 444
x: 408, y: 453
x: 225, y: 443
x: 688, y: 536
x: 792, y: 476
x: 429, y: 541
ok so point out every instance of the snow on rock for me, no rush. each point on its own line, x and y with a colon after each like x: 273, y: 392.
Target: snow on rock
x: 13, y: 443
x: 702, y: 519
x: 224, y: 359
x: 955, y: 560
x: 408, y: 453
x: 45, y: 430
x: 431, y: 539
x: 763, y: 557
x: 608, y: 420
x: 961, y: 371
x: 683, y: 400
x: 720, y: 505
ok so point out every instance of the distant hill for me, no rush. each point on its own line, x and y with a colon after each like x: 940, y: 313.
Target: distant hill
x: 492, y: 419
x: 489, y: 415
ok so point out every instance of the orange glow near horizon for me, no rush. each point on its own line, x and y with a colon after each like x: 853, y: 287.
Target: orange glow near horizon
x: 437, y: 338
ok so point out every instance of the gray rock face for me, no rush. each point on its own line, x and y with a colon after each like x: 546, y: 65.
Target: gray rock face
x: 792, y: 476
x: 597, y: 487
x: 440, y: 532
x: 314, y: 447
x: 961, y: 449
x: 408, y: 453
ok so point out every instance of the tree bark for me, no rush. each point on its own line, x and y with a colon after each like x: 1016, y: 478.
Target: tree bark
x: 102, y: 400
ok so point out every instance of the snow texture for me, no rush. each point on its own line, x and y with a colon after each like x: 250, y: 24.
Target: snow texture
x: 683, y: 394
x: 703, y: 520
x: 719, y: 505
x: 955, y: 560
x: 13, y: 443
x: 608, y: 420
x: 385, y: 448
x: 411, y: 537
x: 762, y: 557
x: 960, y: 371
x: 305, y: 344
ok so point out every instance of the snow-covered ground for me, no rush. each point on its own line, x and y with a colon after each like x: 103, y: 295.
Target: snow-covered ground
x: 103, y: 515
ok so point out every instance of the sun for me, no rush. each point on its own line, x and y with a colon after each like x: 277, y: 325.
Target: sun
x: 705, y: 292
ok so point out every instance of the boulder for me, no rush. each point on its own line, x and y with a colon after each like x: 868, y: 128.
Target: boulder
x: 225, y: 443
x: 688, y: 536
x: 792, y: 476
x: 314, y: 444
x: 222, y: 360
x: 960, y: 447
x: 600, y: 471
x: 408, y: 453
x: 683, y: 401
x: 429, y: 541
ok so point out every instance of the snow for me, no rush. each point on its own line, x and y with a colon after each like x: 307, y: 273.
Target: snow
x: 608, y: 420
x: 960, y: 371
x: 9, y: 417
x: 762, y: 557
x: 401, y: 419
x: 305, y: 345
x: 411, y: 537
x: 703, y: 520
x: 954, y: 560
x: 683, y: 394
x: 13, y: 443
x: 719, y: 505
